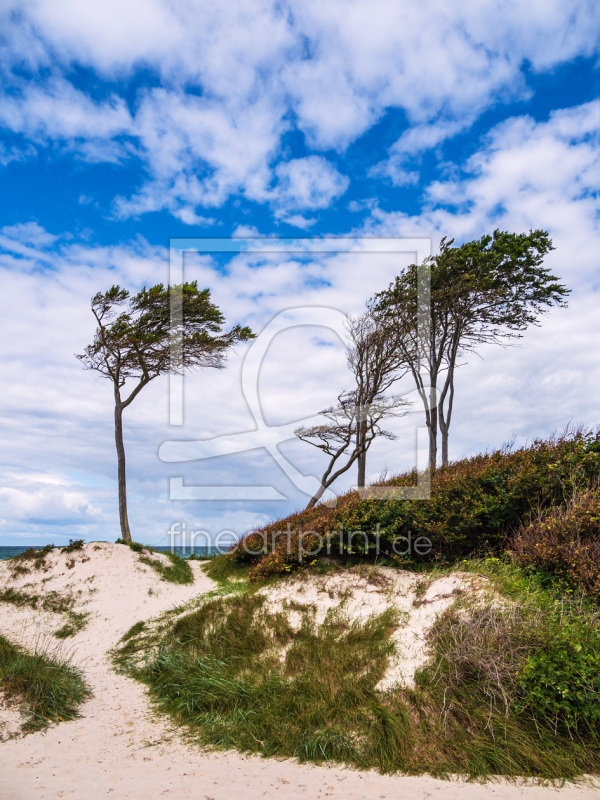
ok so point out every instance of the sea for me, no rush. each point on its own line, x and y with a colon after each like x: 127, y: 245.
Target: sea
x: 184, y: 552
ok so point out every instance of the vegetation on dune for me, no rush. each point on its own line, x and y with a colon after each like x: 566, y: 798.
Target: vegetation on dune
x: 566, y: 540
x: 49, y: 689
x: 511, y: 688
x: 50, y: 601
x: 178, y: 571
x: 475, y: 505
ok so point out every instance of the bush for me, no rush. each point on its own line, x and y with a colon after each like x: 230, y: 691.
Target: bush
x: 566, y: 541
x: 475, y: 504
x: 560, y: 682
x: 74, y: 544
x: 135, y: 546
x: 526, y: 661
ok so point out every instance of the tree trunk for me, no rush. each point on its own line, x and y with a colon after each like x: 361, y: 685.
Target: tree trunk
x: 432, y: 445
x: 431, y: 419
x: 125, y: 532
x: 316, y: 497
x: 444, y: 447
x: 361, y: 434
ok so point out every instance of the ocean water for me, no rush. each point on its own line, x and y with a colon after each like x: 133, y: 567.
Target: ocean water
x: 185, y: 552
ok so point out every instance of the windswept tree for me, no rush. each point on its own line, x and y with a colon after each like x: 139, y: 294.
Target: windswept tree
x: 376, y: 361
x: 485, y: 291
x: 138, y: 338
x: 339, y: 437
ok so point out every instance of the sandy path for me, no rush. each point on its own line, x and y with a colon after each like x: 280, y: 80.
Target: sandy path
x: 118, y: 750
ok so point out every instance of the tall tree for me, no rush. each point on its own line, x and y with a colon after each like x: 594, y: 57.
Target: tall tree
x: 376, y: 361
x: 339, y: 437
x: 485, y: 291
x: 137, y: 340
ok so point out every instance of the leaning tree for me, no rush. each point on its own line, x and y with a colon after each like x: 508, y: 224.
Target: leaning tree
x: 347, y: 433
x: 138, y: 338
x: 485, y: 291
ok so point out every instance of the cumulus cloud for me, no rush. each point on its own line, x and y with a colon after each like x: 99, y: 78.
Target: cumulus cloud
x: 235, y: 79
x: 307, y: 183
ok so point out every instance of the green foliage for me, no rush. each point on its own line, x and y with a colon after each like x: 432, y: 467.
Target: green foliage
x: 49, y: 689
x: 224, y: 569
x: 134, y: 334
x: 560, y: 682
x: 135, y: 546
x: 475, y: 504
x: 38, y: 556
x: 74, y: 544
x: 178, y: 571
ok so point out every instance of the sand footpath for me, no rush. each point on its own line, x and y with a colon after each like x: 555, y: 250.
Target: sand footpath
x: 117, y: 749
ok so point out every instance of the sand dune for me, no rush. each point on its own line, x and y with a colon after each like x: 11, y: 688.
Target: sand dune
x: 117, y: 749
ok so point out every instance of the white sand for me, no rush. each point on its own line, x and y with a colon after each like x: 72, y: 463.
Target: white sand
x: 118, y: 750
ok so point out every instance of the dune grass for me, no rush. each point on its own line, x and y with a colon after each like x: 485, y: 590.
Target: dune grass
x: 235, y: 674
x: 50, y: 601
x: 178, y: 571
x: 49, y: 689
x: 76, y: 623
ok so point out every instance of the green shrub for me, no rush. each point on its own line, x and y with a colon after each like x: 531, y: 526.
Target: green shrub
x: 475, y: 504
x: 74, y: 544
x: 559, y: 682
x: 135, y: 546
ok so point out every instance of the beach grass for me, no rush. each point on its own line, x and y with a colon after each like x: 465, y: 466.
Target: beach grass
x: 178, y: 571
x: 236, y: 674
x: 49, y: 689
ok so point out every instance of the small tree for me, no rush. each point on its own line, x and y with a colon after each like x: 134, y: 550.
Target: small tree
x: 486, y: 291
x: 132, y: 345
x: 348, y: 433
x: 376, y: 361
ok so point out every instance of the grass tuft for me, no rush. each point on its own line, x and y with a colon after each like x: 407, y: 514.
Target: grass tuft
x: 178, y: 571
x: 49, y: 689
x: 77, y: 622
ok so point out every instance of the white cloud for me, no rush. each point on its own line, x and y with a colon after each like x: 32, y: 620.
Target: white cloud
x: 233, y: 78
x: 527, y: 175
x: 307, y: 183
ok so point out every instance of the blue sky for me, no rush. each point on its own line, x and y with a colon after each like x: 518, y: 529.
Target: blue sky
x: 125, y: 124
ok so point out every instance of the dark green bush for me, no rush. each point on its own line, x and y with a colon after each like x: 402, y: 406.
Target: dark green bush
x: 560, y: 681
x: 135, y: 546
x: 74, y: 544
